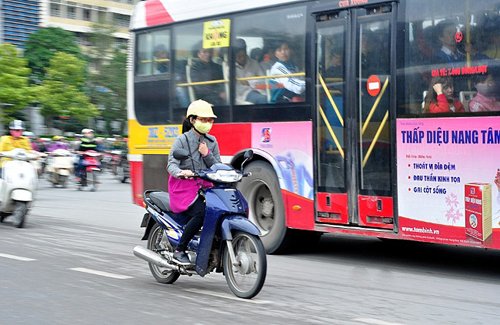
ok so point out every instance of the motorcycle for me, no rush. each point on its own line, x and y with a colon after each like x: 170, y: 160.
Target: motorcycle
x: 92, y: 167
x: 228, y: 242
x: 59, y: 166
x: 17, y: 185
x: 119, y: 165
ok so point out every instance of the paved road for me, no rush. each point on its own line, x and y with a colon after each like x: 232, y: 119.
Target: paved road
x: 73, y: 263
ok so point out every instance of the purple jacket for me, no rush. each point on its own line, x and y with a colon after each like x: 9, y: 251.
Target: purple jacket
x: 57, y: 145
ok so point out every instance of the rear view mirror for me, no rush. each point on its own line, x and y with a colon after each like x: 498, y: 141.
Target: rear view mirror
x: 181, y: 154
x: 248, y: 155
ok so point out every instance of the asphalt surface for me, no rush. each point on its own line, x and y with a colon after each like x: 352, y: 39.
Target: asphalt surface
x: 73, y: 263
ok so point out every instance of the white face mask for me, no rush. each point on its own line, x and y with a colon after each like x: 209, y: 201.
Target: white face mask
x: 202, y: 127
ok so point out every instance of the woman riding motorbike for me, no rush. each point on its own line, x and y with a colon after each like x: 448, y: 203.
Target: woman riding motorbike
x: 185, y: 195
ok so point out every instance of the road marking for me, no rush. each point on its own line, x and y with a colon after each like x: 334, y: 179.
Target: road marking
x: 210, y: 293
x: 19, y: 258
x: 101, y: 273
x: 374, y: 321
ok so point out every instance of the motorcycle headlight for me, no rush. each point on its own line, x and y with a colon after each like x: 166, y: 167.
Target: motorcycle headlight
x: 225, y: 176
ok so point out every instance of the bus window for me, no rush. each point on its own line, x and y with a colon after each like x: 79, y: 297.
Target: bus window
x: 201, y: 73
x: 152, y: 89
x: 161, y: 53
x: 277, y: 73
x: 443, y: 43
x: 144, y: 62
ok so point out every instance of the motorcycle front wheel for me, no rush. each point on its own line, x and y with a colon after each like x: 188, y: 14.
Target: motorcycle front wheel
x: 19, y: 214
x: 158, y: 243
x: 247, y: 277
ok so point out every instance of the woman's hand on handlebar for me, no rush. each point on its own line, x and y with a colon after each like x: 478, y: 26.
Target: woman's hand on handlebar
x: 185, y: 173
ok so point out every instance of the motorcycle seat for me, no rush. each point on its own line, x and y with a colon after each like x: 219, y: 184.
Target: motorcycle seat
x: 161, y: 199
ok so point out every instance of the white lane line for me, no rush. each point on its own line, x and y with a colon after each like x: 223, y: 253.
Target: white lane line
x: 19, y: 258
x: 374, y: 321
x: 101, y: 273
x: 210, y: 293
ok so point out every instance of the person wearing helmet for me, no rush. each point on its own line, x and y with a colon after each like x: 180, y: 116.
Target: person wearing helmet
x: 58, y: 143
x: 87, y: 143
x: 15, y: 139
x: 184, y: 190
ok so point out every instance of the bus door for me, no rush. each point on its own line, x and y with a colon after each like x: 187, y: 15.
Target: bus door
x: 353, y: 124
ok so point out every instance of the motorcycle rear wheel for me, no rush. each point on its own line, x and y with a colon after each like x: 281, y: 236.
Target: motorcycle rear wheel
x: 246, y: 279
x: 157, y: 242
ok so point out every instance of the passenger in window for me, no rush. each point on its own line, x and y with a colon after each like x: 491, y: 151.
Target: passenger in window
x: 336, y: 68
x: 488, y: 90
x: 161, y: 59
x: 206, y: 70
x: 440, y: 97
x: 257, y: 54
x: 492, y: 29
x: 449, y: 53
x: 247, y: 91
x: 268, y: 59
x: 285, y: 89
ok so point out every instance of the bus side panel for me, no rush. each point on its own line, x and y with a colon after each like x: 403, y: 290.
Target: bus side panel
x: 448, y: 177
x: 136, y: 178
x: 232, y: 138
x: 376, y: 211
x: 299, y: 211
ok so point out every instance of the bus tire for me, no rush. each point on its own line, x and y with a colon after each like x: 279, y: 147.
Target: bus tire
x: 266, y: 208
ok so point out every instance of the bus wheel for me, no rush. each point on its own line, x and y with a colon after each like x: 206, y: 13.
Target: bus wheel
x: 266, y: 209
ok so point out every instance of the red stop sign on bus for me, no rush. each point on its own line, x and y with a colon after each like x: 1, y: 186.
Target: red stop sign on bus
x: 373, y: 85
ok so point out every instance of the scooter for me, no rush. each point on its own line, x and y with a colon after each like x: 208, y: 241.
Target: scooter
x: 59, y: 167
x: 228, y: 242
x: 119, y: 165
x: 17, y: 185
x: 92, y: 168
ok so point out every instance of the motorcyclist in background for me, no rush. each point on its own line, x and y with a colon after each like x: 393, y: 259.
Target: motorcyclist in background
x: 14, y: 140
x: 58, y: 143
x: 88, y: 143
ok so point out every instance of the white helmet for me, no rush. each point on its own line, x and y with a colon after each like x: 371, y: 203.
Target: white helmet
x: 87, y: 131
x: 200, y: 108
x: 16, y: 125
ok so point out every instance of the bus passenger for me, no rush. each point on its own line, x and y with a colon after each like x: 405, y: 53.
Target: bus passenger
x: 445, y: 32
x: 206, y: 70
x: 440, y: 97
x: 184, y: 191
x: 161, y: 59
x: 285, y: 89
x: 246, y: 90
x: 486, y: 99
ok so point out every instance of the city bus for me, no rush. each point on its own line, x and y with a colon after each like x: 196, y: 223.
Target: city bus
x: 366, y: 117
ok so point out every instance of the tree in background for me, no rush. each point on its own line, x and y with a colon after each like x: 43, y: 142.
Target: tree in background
x: 62, y: 91
x: 107, y: 79
x: 15, y: 93
x: 43, y: 44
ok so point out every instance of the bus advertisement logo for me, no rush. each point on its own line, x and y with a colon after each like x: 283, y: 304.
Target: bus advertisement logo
x: 265, y: 135
x: 153, y: 132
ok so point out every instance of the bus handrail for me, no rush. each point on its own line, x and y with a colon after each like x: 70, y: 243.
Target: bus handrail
x: 213, y: 82
x: 332, y: 102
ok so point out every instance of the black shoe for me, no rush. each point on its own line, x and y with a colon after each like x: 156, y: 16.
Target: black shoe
x: 180, y: 257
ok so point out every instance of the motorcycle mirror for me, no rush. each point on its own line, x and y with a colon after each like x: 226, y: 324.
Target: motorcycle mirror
x: 181, y: 154
x: 248, y: 155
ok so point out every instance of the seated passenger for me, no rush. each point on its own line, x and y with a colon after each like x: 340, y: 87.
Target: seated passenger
x: 292, y: 87
x: 206, y: 70
x: 440, y: 97
x: 246, y: 90
x: 488, y: 89
x: 161, y: 59
x: 449, y: 53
